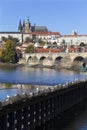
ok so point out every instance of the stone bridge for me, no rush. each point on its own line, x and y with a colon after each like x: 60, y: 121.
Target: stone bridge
x: 53, y: 58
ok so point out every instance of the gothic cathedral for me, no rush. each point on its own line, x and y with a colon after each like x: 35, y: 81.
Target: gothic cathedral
x: 25, y: 27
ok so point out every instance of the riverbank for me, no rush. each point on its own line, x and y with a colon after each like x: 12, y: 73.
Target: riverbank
x: 73, y: 68
x: 7, y: 66
x: 58, y: 67
x: 10, y: 64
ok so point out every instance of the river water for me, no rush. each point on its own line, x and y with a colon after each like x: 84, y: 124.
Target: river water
x: 14, y: 77
x: 17, y: 76
x: 45, y: 76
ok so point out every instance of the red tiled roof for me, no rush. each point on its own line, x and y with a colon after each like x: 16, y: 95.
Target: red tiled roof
x: 40, y: 50
x: 75, y: 35
x: 43, y: 33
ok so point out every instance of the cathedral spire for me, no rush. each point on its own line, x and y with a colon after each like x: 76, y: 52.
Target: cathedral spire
x: 28, y: 19
x: 23, y: 28
x: 29, y: 22
x: 20, y: 27
x: 23, y: 23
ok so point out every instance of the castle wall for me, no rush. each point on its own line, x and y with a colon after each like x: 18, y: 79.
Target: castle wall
x: 14, y: 35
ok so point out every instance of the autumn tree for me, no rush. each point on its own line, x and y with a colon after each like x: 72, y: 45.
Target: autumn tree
x: 9, y: 52
x: 30, y: 49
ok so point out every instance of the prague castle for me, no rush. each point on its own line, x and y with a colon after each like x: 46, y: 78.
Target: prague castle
x: 25, y: 30
x: 26, y: 27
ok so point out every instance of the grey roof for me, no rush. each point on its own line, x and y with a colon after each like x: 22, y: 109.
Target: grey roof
x: 39, y: 29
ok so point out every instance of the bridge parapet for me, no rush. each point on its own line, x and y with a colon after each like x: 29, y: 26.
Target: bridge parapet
x: 28, y: 111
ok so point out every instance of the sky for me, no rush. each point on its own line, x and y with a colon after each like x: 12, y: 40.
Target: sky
x: 57, y: 15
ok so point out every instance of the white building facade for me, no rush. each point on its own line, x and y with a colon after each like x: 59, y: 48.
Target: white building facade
x: 73, y: 39
x: 45, y: 36
x: 20, y: 36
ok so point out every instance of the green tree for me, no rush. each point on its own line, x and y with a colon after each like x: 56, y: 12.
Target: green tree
x: 27, y: 40
x: 30, y: 49
x: 41, y: 42
x: 4, y: 39
x: 15, y: 40
x: 82, y: 44
x: 9, y: 52
x: 10, y: 38
x: 54, y: 43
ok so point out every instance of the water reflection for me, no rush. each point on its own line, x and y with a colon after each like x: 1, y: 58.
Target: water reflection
x: 17, y: 80
x: 15, y: 76
x: 7, y: 68
x: 8, y: 90
x: 45, y: 76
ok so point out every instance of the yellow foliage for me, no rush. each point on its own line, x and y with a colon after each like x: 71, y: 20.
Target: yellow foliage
x: 1, y: 52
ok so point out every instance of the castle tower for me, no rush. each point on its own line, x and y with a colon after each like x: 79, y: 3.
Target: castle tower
x: 23, y: 28
x: 74, y: 32
x: 20, y: 27
x: 27, y: 26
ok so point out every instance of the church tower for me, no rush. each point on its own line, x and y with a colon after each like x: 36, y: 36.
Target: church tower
x: 23, y: 28
x: 27, y: 26
x: 20, y: 27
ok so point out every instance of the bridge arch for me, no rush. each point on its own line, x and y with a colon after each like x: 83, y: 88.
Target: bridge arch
x: 77, y: 62
x: 30, y: 58
x: 42, y: 59
x: 58, y: 59
x: 78, y: 58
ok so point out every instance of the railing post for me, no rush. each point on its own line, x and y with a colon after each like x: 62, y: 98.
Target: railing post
x: 18, y: 118
x: 10, y: 121
x: 3, y: 122
x: 25, y: 119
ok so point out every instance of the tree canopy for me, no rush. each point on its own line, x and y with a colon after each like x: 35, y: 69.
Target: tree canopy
x: 30, y: 49
x: 15, y: 40
x: 41, y: 42
x: 9, y: 52
x: 27, y: 40
x: 82, y: 44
